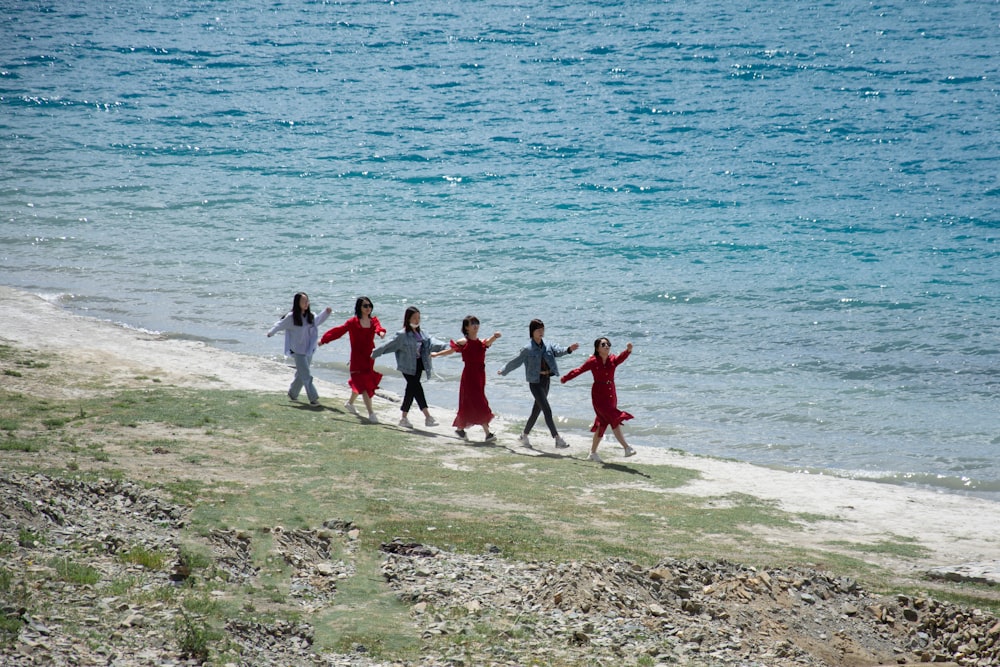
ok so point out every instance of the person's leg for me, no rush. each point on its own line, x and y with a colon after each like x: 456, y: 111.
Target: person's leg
x: 412, y: 384
x: 543, y: 386
x: 595, y: 442
x: 536, y: 408
x: 296, y: 386
x: 303, y: 378
x: 617, y: 430
x: 418, y: 395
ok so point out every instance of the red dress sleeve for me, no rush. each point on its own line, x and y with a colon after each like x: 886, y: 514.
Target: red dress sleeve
x: 619, y: 358
x: 335, y: 333
x: 580, y: 370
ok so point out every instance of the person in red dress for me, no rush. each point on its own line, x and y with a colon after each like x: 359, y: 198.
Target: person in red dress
x: 362, y: 329
x: 473, y: 408
x: 603, y: 394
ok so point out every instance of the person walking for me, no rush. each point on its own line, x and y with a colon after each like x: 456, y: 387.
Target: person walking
x: 473, y: 407
x: 361, y: 329
x: 413, y: 350
x: 301, y: 329
x: 603, y: 394
x: 539, y: 361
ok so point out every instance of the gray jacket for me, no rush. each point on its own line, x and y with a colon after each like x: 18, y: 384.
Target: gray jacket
x: 409, y: 346
x: 531, y: 356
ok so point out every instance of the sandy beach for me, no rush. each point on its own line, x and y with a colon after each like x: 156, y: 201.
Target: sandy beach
x: 960, y: 533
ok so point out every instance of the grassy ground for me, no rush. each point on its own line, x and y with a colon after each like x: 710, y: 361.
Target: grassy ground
x: 250, y: 461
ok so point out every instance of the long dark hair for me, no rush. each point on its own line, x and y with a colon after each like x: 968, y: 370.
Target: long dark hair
x: 297, y: 311
x: 357, y: 305
x: 410, y: 312
x: 468, y: 322
x: 597, y: 345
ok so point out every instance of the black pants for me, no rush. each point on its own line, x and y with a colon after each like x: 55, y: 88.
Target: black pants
x: 540, y: 390
x: 414, y: 390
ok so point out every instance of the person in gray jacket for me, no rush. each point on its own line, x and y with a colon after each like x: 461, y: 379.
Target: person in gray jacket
x: 413, y: 350
x: 539, y: 360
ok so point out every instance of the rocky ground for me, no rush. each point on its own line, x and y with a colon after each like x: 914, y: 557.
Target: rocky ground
x: 469, y: 609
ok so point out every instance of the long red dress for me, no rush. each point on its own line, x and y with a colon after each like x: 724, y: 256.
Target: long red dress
x: 473, y: 408
x: 603, y: 393
x: 364, y: 379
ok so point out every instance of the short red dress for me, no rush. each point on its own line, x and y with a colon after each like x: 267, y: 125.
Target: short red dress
x: 364, y: 379
x: 473, y: 408
x: 603, y: 393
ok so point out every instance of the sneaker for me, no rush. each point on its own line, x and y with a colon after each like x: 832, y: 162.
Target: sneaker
x: 629, y: 452
x: 350, y: 408
x: 461, y: 433
x: 372, y: 419
x: 315, y: 403
x: 430, y: 421
x: 595, y: 458
x: 490, y: 437
x: 560, y: 443
x: 293, y: 398
x: 405, y: 423
x: 523, y: 439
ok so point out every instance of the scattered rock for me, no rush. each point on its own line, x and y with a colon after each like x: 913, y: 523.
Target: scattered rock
x: 691, y: 613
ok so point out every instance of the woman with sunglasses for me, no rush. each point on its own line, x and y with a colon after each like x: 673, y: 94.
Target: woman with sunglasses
x: 603, y: 394
x: 362, y: 329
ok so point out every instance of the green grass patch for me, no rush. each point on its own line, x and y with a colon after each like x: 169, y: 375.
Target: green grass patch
x: 27, y: 445
x: 898, y: 546
x: 151, y: 559
x: 368, y: 614
x: 74, y: 573
x: 27, y: 538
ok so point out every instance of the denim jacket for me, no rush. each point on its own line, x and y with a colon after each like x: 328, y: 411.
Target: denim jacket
x: 531, y: 356
x: 407, y: 345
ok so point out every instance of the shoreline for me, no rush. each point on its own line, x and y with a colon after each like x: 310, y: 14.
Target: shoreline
x: 961, y: 533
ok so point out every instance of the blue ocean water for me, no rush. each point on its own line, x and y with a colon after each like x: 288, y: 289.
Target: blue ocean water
x: 790, y: 209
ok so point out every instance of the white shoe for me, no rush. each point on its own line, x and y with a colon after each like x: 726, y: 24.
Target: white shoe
x: 350, y: 408
x: 560, y: 443
x: 372, y: 419
x: 430, y: 421
x: 595, y: 458
x: 629, y: 452
x: 523, y: 438
x: 405, y: 423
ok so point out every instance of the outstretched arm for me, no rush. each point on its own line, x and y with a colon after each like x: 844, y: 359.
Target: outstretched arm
x: 334, y: 333
x: 582, y: 368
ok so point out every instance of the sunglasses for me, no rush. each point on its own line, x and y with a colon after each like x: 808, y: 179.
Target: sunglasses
x: 366, y: 305
x: 606, y: 345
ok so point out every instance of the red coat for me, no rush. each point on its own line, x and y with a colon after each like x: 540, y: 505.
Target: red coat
x: 364, y: 379
x: 603, y: 393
